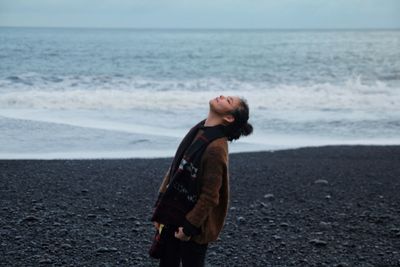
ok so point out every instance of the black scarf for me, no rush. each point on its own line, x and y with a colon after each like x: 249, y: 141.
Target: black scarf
x: 182, y: 191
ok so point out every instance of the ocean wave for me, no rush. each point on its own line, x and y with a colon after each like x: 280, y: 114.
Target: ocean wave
x: 352, y: 94
x: 36, y: 81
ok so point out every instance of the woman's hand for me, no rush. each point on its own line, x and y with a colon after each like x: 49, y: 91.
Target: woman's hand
x: 157, y: 225
x: 181, y: 235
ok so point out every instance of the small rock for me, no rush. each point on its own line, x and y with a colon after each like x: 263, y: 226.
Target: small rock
x: 30, y: 218
x: 105, y: 249
x: 125, y: 260
x: 45, y: 261
x: 241, y: 219
x: 276, y: 237
x: 269, y: 196
x: 284, y: 225
x: 66, y: 246
x: 321, y: 181
x: 325, y: 225
x: 318, y: 242
x: 90, y: 215
x: 213, y: 254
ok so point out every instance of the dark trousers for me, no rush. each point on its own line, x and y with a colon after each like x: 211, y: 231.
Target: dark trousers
x: 189, y: 252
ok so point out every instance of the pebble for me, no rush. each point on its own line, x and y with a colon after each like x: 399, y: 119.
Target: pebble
x: 276, y: 237
x: 30, y: 218
x: 105, y: 249
x: 45, y: 261
x: 269, y: 196
x: 66, y: 246
x: 241, y: 219
x: 318, y: 242
x: 325, y: 225
x: 321, y: 181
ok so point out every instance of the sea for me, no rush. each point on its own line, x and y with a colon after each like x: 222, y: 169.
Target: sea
x: 80, y: 93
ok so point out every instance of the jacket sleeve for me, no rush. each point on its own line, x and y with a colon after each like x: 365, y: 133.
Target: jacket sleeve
x: 165, y: 182
x: 163, y: 187
x: 214, y: 166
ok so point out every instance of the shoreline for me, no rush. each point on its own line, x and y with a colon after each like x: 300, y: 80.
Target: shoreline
x: 165, y: 153
x: 314, y: 206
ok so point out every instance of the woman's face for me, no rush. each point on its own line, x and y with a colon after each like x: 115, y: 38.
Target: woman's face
x: 224, y: 104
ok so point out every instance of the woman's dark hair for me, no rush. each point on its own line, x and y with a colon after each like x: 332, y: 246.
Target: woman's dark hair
x: 239, y: 126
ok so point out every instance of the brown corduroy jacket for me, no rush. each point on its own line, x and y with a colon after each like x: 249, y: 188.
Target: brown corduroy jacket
x: 210, y: 211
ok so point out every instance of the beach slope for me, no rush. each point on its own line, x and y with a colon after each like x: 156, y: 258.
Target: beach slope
x: 321, y: 206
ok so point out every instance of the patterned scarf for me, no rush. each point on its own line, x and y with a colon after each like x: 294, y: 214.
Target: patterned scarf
x: 182, y: 191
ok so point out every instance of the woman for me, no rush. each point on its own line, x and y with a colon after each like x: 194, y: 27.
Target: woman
x: 193, y: 197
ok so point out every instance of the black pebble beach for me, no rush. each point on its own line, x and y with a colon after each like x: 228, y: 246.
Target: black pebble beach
x: 322, y: 206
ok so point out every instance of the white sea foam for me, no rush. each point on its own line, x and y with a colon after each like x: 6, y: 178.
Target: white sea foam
x: 352, y: 95
x: 145, y: 153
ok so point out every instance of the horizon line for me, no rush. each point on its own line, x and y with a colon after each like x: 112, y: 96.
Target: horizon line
x: 201, y: 28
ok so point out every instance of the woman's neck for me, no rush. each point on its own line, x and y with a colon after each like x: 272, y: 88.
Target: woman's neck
x: 212, y: 120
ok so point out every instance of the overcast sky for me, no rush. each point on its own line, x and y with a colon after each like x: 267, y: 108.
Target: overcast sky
x: 202, y: 13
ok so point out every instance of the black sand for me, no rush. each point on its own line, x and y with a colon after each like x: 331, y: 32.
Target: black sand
x: 327, y: 206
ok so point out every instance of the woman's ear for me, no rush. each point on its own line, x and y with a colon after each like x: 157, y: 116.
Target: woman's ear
x: 228, y: 119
